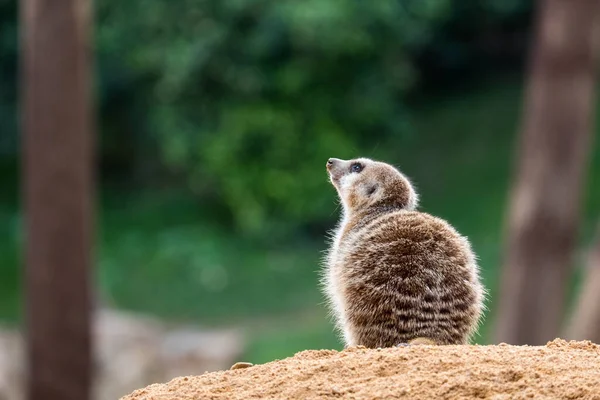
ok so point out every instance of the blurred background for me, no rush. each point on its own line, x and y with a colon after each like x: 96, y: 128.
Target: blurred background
x: 215, y: 119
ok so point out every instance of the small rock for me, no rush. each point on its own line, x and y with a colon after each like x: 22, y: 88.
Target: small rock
x: 240, y: 365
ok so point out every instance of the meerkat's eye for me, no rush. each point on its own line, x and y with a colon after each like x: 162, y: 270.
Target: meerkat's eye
x: 356, y: 167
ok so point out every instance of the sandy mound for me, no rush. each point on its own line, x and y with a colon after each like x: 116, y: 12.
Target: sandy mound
x: 559, y: 370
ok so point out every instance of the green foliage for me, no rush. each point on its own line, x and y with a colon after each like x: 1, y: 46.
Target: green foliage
x: 248, y: 99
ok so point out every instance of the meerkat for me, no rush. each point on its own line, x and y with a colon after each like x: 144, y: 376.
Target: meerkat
x: 395, y: 276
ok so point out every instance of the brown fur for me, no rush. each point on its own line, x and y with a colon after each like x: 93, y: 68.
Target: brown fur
x: 395, y: 275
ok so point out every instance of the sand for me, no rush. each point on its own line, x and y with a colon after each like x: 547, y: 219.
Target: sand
x: 558, y: 370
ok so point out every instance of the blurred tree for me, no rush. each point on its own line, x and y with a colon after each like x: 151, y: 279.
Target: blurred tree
x: 57, y: 161
x: 552, y: 159
x: 585, y: 323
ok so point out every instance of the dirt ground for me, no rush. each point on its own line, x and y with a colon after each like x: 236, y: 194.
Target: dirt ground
x: 559, y: 370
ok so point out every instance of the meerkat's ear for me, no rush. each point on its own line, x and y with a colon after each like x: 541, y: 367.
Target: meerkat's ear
x: 413, y: 199
x: 371, y: 189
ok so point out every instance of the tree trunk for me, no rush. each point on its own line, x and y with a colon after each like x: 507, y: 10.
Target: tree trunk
x: 58, y: 185
x: 554, y: 146
x: 585, y: 324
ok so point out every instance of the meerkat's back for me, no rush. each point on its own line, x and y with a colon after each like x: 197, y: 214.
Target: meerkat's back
x: 408, y: 275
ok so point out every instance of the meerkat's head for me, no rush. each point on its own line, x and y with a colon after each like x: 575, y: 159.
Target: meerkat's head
x: 363, y: 183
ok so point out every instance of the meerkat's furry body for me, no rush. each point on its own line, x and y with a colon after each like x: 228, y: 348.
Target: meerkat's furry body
x: 395, y: 275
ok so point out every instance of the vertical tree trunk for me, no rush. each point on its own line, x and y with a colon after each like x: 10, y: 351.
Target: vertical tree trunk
x: 545, y: 202
x: 58, y: 179
x: 585, y: 324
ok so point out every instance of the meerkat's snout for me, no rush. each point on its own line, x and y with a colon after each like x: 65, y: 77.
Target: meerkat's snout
x: 333, y: 163
x: 336, y: 169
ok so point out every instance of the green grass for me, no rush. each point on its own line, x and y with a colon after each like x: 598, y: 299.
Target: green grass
x: 163, y: 253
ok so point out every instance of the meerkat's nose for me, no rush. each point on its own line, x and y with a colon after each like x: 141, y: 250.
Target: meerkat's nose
x: 331, y: 162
